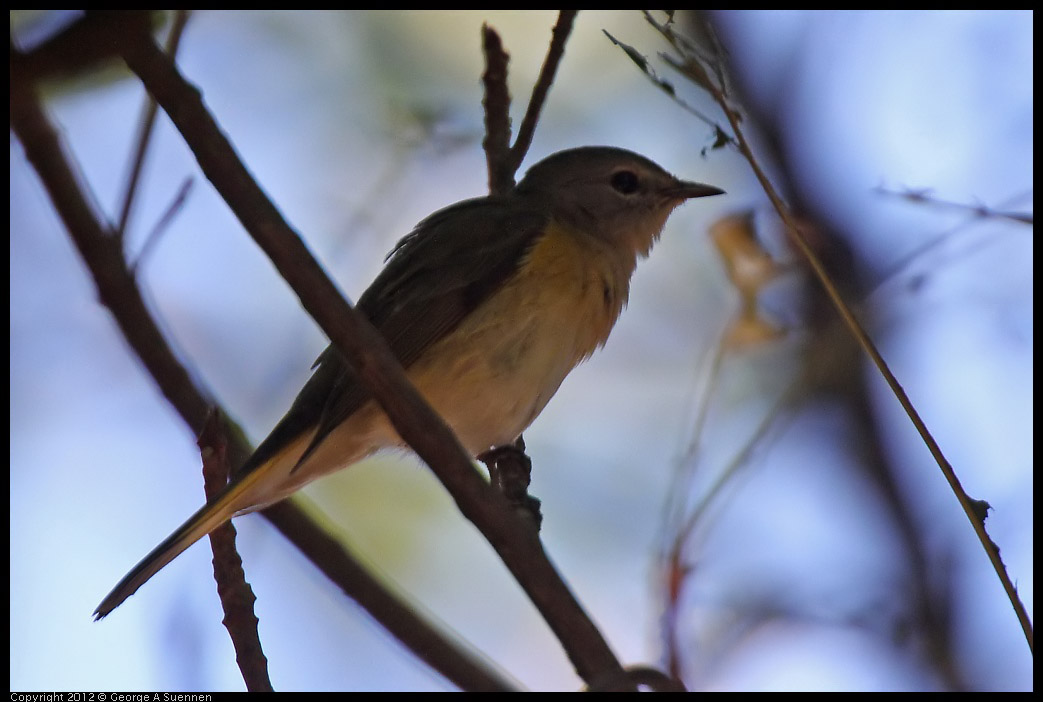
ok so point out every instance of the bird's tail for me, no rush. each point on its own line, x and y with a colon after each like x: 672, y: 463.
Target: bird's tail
x: 232, y: 500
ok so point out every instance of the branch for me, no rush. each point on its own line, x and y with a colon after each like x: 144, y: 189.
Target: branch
x: 116, y: 288
x: 237, y: 598
x: 924, y: 197
x: 559, y: 36
x: 692, y: 66
x: 148, y: 120
x: 971, y: 507
x: 497, y: 104
x: 118, y: 291
x: 364, y: 348
x: 503, y: 160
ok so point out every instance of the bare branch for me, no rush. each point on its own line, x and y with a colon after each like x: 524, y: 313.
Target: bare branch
x: 237, y: 597
x: 559, y: 36
x: 180, y: 198
x: 368, y: 353
x: 102, y: 253
x: 924, y: 197
x: 502, y: 159
x: 497, y: 104
x: 698, y: 68
x: 148, y: 120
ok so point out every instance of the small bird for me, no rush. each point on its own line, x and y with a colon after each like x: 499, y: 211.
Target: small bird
x: 488, y: 304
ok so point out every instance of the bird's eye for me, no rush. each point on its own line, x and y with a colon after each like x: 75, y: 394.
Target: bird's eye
x: 624, y: 182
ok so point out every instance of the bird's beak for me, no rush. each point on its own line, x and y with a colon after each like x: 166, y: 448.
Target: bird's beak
x: 685, y: 190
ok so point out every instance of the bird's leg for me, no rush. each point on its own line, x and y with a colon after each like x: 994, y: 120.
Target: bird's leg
x: 510, y: 471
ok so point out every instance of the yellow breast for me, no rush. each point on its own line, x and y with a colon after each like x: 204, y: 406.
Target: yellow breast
x: 495, y: 373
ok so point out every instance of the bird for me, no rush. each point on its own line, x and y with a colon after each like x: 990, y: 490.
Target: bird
x: 488, y: 304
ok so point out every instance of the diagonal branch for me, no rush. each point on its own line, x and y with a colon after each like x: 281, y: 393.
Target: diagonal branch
x: 692, y: 67
x: 368, y: 353
x: 118, y: 291
x: 971, y: 507
x: 116, y: 288
x: 559, y: 36
x: 148, y: 121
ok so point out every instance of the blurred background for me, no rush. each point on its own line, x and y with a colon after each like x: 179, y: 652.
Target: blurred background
x: 750, y: 513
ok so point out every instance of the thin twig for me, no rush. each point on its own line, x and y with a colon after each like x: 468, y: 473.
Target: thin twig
x: 921, y: 250
x: 559, y: 35
x: 237, y: 597
x: 684, y: 472
x: 148, y: 120
x: 116, y: 289
x: 641, y: 61
x: 497, y: 104
x: 502, y: 159
x: 971, y: 507
x: 164, y: 221
x: 980, y: 211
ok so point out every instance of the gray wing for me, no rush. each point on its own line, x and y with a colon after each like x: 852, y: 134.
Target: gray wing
x: 437, y: 275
